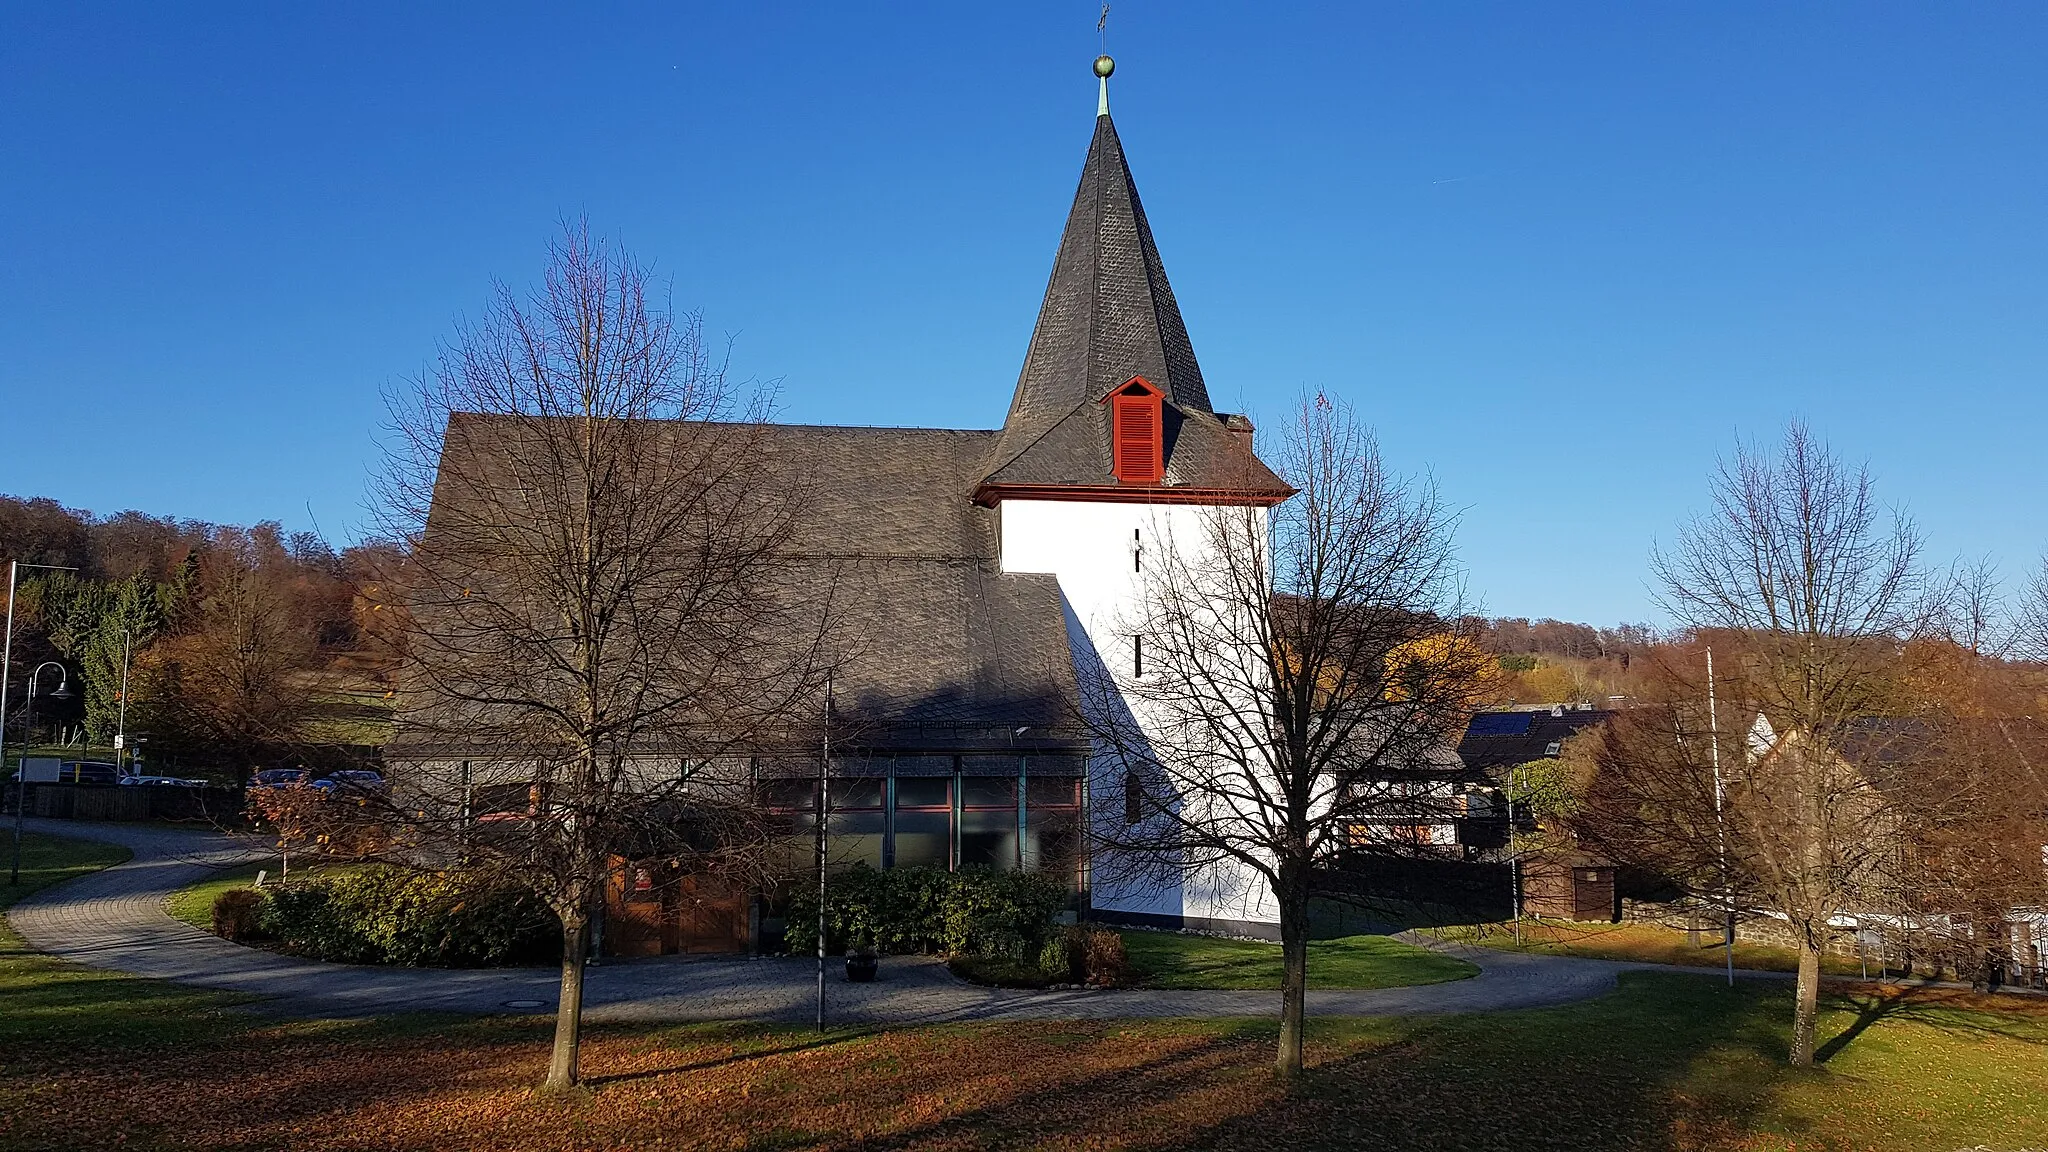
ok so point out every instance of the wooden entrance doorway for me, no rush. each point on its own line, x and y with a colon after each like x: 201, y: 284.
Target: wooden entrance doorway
x: 653, y: 908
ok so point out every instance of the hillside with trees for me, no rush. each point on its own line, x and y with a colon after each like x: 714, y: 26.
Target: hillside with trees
x: 242, y: 647
x: 1554, y: 662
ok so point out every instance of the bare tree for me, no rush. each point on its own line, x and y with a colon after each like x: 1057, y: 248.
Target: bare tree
x: 1298, y: 672
x: 1790, y: 793
x: 601, y: 614
x: 2033, y: 613
x: 1978, y: 852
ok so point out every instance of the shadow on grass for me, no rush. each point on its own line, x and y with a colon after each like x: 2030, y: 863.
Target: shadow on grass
x: 1153, y: 1100
x: 1870, y: 1009
x: 1597, y: 1075
x: 2020, y: 1019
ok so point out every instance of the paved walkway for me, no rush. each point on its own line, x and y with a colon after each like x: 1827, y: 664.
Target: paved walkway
x: 115, y: 919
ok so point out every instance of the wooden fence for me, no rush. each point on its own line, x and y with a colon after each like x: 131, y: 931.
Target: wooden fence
x: 131, y: 802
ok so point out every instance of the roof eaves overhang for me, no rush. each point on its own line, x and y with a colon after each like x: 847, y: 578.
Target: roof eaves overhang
x: 990, y: 495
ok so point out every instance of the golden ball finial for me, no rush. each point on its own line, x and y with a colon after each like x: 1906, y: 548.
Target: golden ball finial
x: 1104, y: 66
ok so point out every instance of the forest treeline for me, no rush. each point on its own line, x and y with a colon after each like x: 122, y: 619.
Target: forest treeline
x: 242, y: 646
x: 1557, y: 662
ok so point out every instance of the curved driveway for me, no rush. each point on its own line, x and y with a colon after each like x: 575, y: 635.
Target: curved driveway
x: 115, y: 919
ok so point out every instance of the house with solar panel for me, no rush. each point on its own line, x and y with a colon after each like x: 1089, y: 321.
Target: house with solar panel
x: 1458, y: 806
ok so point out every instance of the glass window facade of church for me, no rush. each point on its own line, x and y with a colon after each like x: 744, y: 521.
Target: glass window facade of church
x: 957, y: 819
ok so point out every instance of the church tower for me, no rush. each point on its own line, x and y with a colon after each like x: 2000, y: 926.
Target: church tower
x: 1111, y: 452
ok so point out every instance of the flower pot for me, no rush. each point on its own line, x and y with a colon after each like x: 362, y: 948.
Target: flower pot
x: 861, y: 966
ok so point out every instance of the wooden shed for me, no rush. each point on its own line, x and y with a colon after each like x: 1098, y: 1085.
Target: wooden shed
x: 1569, y: 886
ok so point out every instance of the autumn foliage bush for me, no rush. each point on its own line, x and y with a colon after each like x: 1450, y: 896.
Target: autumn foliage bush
x: 970, y: 912
x: 388, y: 915
x: 238, y: 914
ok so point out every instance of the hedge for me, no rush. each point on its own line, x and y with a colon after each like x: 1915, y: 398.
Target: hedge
x: 386, y: 915
x: 970, y: 912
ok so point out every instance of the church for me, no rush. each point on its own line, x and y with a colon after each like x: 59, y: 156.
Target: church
x: 1000, y: 570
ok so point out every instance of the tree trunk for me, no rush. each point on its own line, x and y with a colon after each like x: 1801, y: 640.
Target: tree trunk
x: 1293, y: 976
x: 562, y: 1071
x: 1808, y: 1006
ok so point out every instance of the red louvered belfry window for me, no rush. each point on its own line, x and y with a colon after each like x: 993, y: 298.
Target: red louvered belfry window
x: 1136, y: 437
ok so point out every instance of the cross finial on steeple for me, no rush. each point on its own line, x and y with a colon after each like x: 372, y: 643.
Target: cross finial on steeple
x: 1103, y: 64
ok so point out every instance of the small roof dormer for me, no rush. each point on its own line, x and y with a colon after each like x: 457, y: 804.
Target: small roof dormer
x: 1137, y: 440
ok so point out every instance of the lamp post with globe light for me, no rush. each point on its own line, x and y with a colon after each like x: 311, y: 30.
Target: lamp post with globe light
x: 14, y: 568
x: 28, y: 710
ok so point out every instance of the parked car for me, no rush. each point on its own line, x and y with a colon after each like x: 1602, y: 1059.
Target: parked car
x: 280, y: 778
x: 163, y: 781
x: 89, y: 772
x: 352, y: 780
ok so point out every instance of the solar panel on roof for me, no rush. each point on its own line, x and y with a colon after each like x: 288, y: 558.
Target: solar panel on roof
x: 1499, y: 724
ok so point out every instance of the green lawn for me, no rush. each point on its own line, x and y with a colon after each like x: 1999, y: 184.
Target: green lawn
x: 1668, y: 1062
x: 47, y: 860
x: 1177, y: 960
x: 52, y: 1003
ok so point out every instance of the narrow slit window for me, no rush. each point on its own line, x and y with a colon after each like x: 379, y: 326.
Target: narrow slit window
x: 1137, y: 655
x: 1134, y: 799
x: 1137, y: 552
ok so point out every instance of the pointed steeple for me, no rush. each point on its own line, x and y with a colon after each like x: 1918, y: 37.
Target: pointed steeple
x: 1108, y: 313
x: 1109, y: 317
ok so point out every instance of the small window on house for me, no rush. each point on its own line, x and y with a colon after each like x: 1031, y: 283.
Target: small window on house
x: 1554, y: 748
x: 1137, y: 552
x: 1134, y: 798
x: 1137, y: 655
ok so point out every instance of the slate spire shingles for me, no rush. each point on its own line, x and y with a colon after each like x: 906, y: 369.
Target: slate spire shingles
x: 1108, y: 315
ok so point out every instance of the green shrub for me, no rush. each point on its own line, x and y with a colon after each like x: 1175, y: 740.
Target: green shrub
x: 385, y: 915
x: 1060, y: 960
x: 238, y: 914
x: 970, y: 912
x: 300, y: 918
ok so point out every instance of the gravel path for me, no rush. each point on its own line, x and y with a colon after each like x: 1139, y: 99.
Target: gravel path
x: 115, y: 919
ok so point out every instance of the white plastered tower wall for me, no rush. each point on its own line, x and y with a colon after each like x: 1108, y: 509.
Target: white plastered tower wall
x: 1101, y: 552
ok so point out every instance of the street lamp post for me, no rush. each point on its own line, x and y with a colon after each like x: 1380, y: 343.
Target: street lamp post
x: 121, y: 717
x: 28, y: 709
x: 14, y: 568
x: 1514, y: 858
x: 1720, y: 825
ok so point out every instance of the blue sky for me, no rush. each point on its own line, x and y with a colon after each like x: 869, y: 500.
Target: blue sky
x: 1560, y: 256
